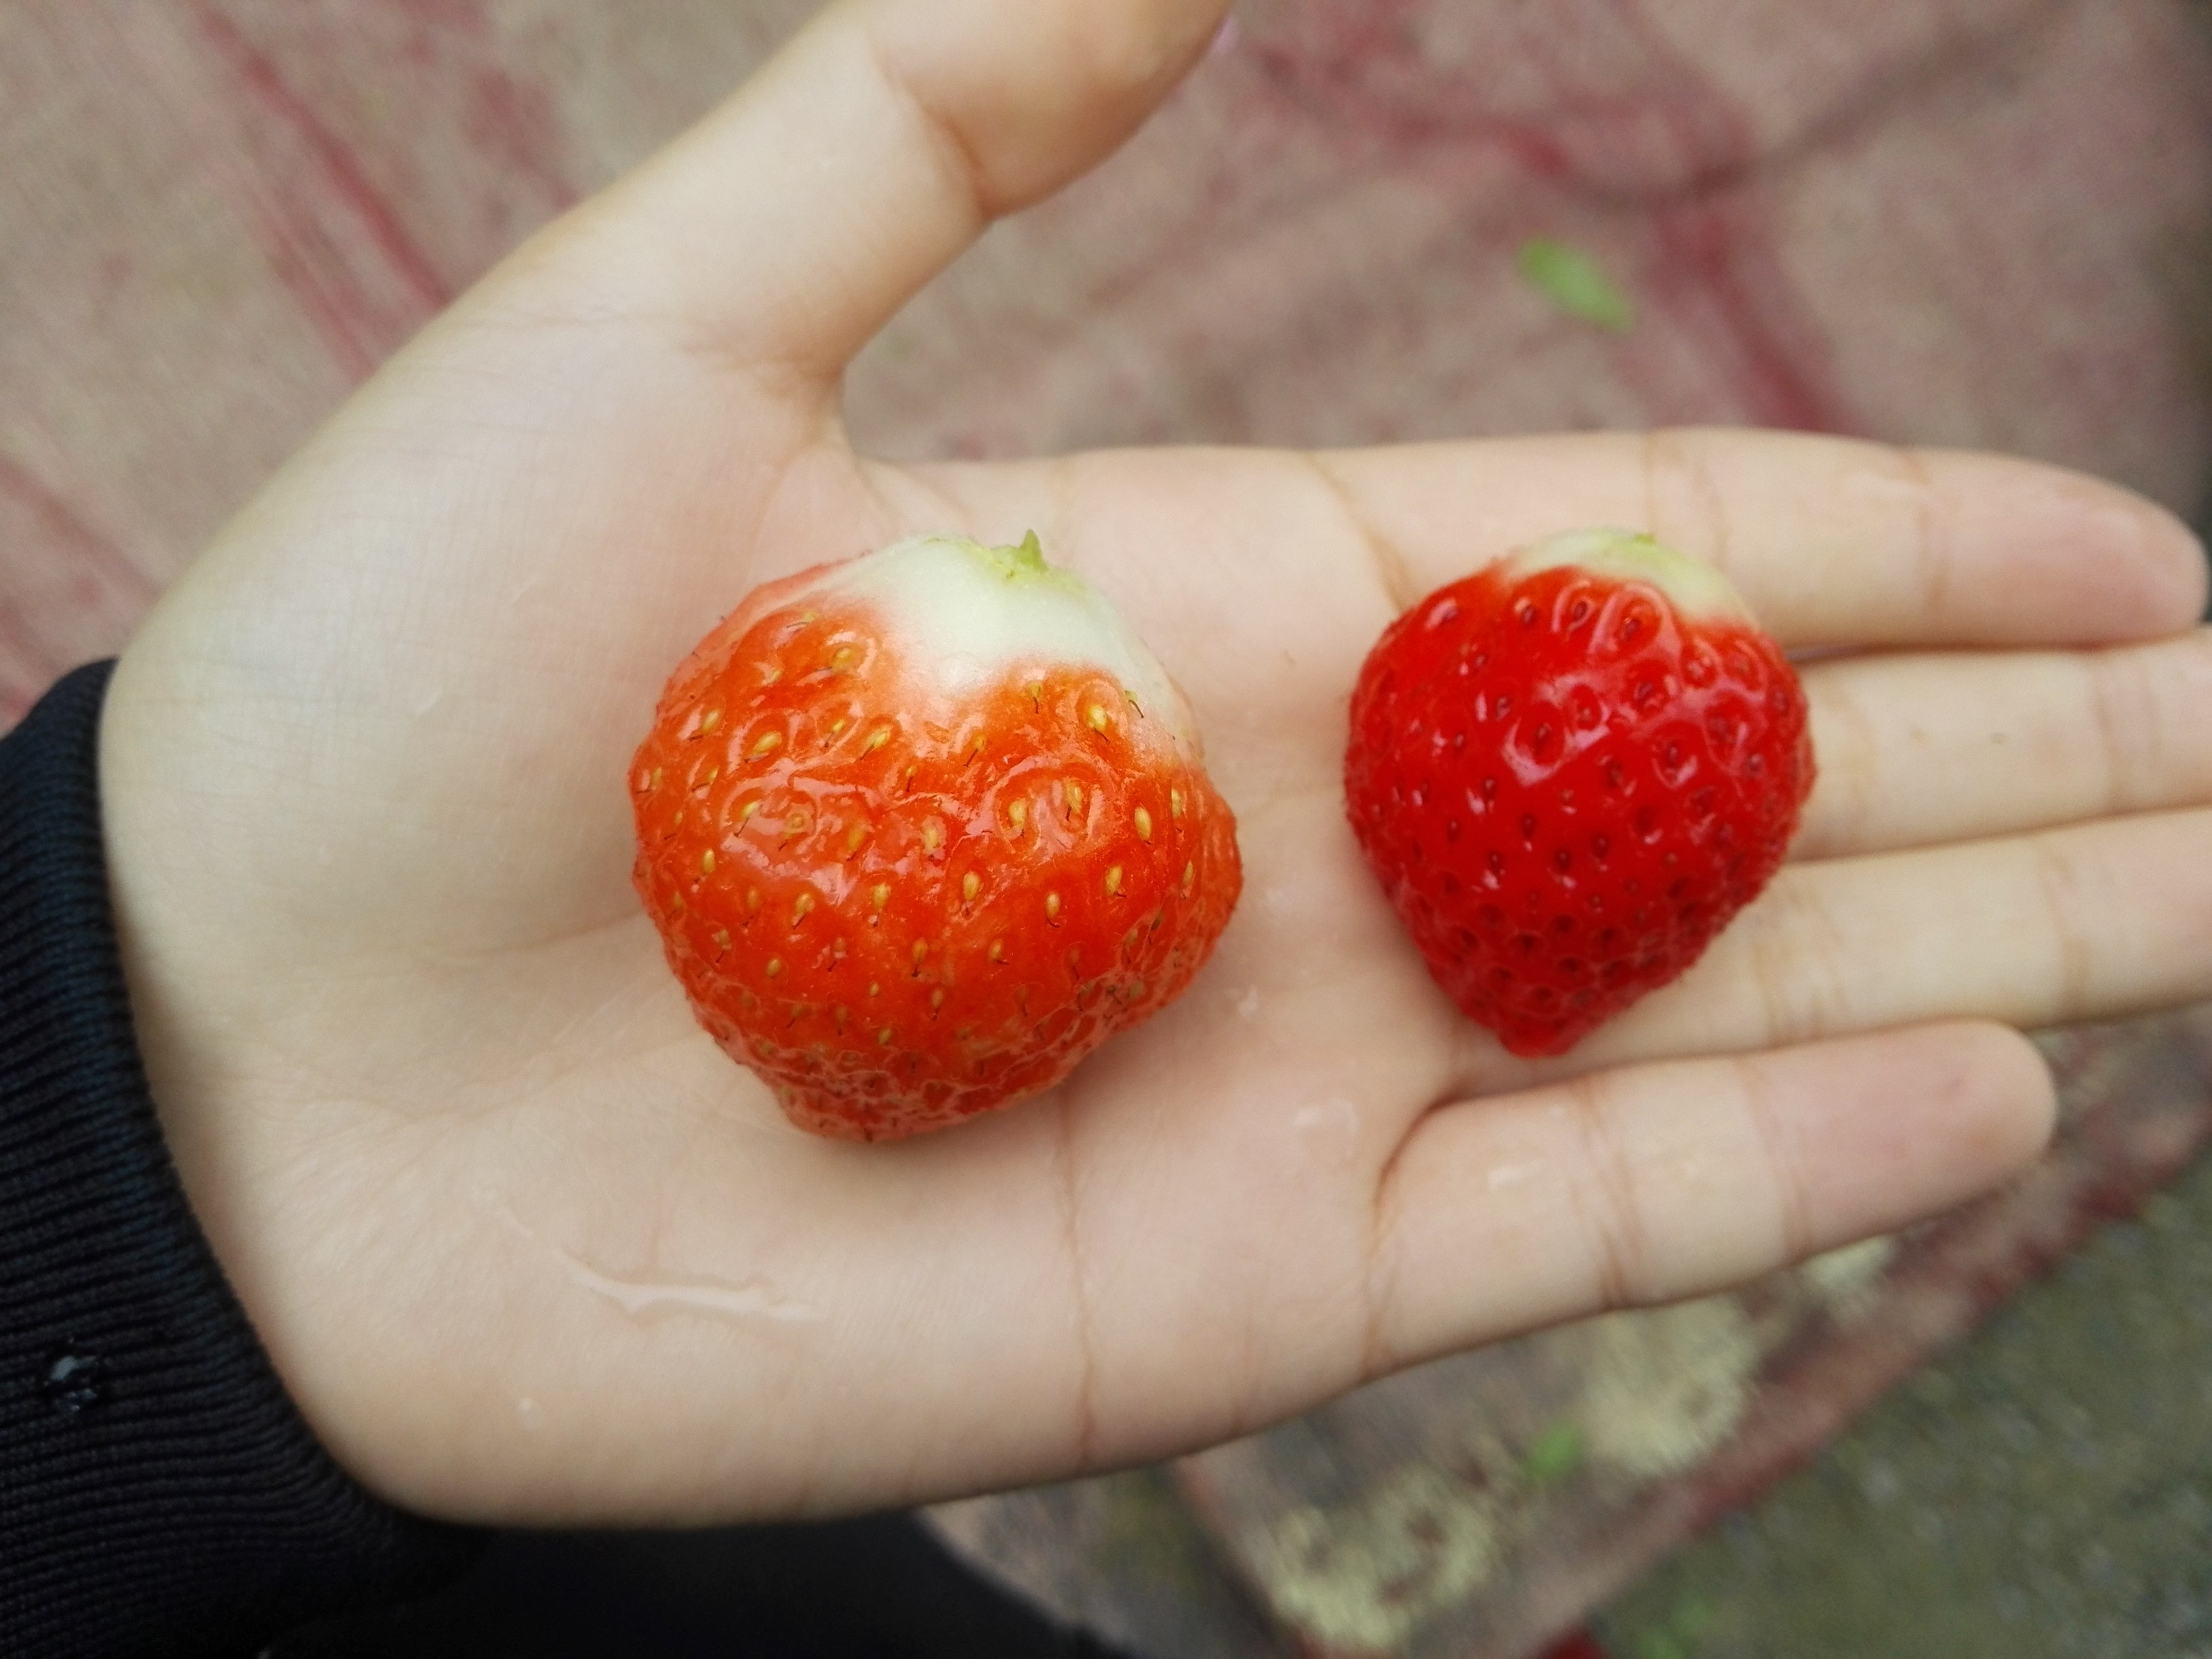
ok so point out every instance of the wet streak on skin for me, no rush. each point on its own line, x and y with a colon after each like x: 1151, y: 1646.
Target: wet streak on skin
x: 1712, y: 266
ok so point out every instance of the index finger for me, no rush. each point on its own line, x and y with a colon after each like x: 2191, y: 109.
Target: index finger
x: 1832, y: 541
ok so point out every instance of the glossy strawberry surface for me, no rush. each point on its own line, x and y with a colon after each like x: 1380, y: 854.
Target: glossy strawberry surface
x: 904, y: 903
x: 1568, y: 771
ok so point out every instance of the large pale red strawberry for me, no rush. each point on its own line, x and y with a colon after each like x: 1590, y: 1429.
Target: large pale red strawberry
x: 1568, y: 771
x: 922, y: 829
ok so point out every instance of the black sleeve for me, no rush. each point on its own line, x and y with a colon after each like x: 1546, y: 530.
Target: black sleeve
x: 159, y: 1492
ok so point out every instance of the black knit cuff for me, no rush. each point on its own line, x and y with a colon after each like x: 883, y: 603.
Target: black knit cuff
x: 159, y: 1492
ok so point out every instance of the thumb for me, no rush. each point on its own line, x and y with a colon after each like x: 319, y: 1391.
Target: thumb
x: 789, y: 225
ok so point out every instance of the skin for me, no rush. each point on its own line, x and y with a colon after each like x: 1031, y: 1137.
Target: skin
x: 526, y: 1247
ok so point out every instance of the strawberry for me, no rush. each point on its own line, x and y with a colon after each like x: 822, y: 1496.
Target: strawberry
x: 1568, y: 771
x: 920, y: 830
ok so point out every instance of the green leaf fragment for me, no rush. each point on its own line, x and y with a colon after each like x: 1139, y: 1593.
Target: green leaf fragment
x: 1554, y: 1455
x: 1679, y: 1638
x: 1693, y: 1617
x: 1574, y: 281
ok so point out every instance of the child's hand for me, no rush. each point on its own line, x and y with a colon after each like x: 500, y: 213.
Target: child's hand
x: 526, y: 1246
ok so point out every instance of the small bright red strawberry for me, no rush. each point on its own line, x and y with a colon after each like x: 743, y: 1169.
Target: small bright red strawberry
x: 922, y: 829
x: 1568, y: 771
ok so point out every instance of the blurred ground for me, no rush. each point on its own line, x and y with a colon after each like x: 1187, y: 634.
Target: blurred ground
x: 2043, y: 1491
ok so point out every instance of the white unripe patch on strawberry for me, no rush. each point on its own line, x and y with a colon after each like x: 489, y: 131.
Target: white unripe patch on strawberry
x: 1698, y: 591
x: 973, y: 616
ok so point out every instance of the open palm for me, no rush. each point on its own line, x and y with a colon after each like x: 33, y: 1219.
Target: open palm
x: 526, y: 1245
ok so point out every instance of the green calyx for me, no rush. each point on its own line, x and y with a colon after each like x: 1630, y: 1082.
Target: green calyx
x: 1576, y: 283
x: 1024, y: 562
